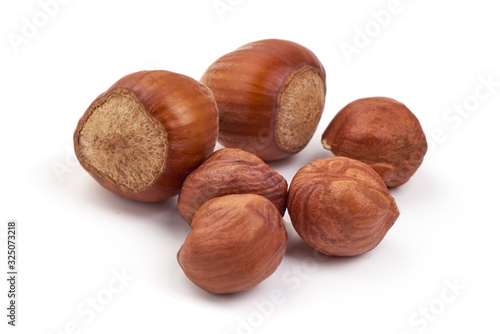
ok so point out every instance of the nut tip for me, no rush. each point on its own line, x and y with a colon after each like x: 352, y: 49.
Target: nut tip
x: 325, y: 145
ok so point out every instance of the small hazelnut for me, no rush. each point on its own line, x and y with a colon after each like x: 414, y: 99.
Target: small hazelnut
x: 382, y: 133
x: 270, y: 96
x: 231, y: 171
x: 146, y: 133
x: 340, y: 206
x: 237, y: 241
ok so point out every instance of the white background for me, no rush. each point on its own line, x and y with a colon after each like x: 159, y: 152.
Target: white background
x: 75, y: 236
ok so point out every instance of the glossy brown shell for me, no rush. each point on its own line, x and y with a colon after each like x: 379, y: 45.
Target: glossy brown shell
x: 340, y: 206
x: 185, y: 108
x: 247, y: 83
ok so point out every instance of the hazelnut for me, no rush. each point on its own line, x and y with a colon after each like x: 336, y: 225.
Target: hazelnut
x: 231, y: 171
x: 237, y: 241
x: 382, y: 133
x: 340, y: 206
x: 146, y: 133
x: 270, y: 96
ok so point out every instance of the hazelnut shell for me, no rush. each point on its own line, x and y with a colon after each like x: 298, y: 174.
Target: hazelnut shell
x: 146, y: 133
x: 270, y: 95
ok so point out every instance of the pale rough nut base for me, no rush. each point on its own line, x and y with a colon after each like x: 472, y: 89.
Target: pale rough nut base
x: 300, y: 106
x: 123, y: 142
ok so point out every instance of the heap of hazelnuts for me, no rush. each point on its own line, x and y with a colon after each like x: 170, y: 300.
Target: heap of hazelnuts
x: 152, y: 134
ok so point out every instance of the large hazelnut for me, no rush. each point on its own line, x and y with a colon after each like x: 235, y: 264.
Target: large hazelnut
x: 340, y: 206
x: 237, y: 241
x: 270, y: 96
x: 381, y: 132
x: 231, y: 171
x: 146, y: 133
